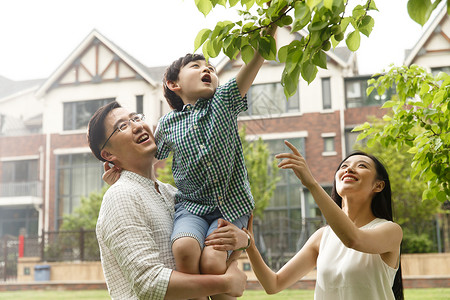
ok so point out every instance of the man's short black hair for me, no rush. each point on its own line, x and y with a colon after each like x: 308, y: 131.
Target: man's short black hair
x: 96, y: 135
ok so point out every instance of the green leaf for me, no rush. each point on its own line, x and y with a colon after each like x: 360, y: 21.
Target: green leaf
x: 289, y: 80
x: 267, y: 47
x: 247, y: 53
x: 313, y: 3
x: 302, y: 16
x: 215, y: 33
x: 204, y: 6
x: 366, y: 26
x: 320, y: 59
x: 222, y: 2
x: 419, y: 10
x: 230, y: 50
x: 358, y: 12
x: 361, y: 127
x: 254, y: 40
x: 294, y: 56
x: 328, y: 4
x: 442, y: 196
x: 301, y: 10
x: 442, y: 76
x: 413, y: 150
x: 282, y: 53
x: 233, y: 2
x: 317, y: 26
x: 426, y: 194
x: 439, y: 97
x: 308, y: 71
x: 386, y: 118
x: 388, y: 104
x: 344, y: 23
x: 372, y: 6
x: 369, y: 90
x: 248, y: 3
x: 362, y: 136
x: 247, y: 26
x: 205, y: 49
x: 214, y: 47
x: 201, y: 37
x: 353, y: 41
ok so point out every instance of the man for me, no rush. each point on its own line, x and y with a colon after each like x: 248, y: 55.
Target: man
x: 136, y: 216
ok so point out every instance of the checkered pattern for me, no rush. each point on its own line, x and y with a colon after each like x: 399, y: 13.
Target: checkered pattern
x: 133, y: 231
x: 208, y: 165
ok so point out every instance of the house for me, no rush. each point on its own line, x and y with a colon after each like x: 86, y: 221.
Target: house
x: 46, y: 164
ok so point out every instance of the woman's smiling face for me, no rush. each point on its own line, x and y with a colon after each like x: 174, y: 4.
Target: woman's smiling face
x: 356, y: 174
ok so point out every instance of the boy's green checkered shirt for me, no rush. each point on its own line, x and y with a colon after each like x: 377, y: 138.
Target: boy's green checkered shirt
x: 208, y: 162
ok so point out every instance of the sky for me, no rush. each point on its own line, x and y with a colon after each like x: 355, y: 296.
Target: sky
x: 36, y: 36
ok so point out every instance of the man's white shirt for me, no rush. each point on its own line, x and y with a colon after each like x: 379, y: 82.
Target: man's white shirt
x: 133, y: 231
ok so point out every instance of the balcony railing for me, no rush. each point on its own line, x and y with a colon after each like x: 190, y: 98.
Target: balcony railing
x: 20, y: 189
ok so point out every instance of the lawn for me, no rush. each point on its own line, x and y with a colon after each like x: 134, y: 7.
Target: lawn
x: 410, y: 294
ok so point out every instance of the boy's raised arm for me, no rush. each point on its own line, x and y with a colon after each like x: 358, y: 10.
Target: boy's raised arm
x: 248, y: 72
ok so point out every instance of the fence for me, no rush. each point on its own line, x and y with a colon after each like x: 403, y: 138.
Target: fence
x: 17, y: 189
x: 51, y: 246
x: 8, y: 258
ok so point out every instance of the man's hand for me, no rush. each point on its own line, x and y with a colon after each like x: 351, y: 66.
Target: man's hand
x: 237, y: 280
x: 227, y: 237
x: 111, y: 174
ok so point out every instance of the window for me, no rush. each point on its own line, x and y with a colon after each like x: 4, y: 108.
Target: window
x: 20, y: 178
x: 313, y: 216
x: 355, y: 93
x: 326, y: 93
x: 78, y: 114
x: 329, y: 147
x: 350, y: 140
x: 77, y: 175
x: 282, y: 218
x: 15, y: 221
x: 140, y: 104
x: 328, y: 144
x: 268, y: 99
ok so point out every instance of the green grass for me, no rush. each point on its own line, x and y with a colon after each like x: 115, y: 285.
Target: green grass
x: 410, y: 294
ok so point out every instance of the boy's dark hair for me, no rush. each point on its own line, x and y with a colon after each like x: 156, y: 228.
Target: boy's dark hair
x: 96, y: 134
x: 171, y: 74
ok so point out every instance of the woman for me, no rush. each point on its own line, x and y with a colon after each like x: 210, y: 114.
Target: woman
x: 358, y: 254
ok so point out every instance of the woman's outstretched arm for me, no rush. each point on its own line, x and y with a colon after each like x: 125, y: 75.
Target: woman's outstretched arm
x: 303, y: 262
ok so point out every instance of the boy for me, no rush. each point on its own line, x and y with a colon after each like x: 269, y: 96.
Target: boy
x: 208, y: 163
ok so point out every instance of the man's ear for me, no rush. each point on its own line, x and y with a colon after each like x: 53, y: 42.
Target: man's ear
x: 108, y: 156
x: 379, y: 186
x: 173, y: 85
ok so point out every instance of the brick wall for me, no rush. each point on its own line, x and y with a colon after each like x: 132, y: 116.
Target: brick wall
x: 314, y: 124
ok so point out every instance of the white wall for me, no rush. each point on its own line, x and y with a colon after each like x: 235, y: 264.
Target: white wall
x: 124, y: 92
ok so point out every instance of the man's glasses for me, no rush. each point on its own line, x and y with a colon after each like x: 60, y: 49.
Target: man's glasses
x: 137, y: 118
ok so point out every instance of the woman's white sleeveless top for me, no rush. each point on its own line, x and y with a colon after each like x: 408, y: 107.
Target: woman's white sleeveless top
x: 344, y: 273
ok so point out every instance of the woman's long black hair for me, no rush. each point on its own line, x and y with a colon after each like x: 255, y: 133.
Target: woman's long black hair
x: 381, y: 207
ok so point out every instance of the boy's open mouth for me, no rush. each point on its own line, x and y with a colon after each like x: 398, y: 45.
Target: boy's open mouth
x: 206, y: 78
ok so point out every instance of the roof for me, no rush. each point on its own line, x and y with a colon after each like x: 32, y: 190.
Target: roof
x: 10, y: 87
x: 415, y: 51
x: 127, y: 58
x: 157, y: 73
